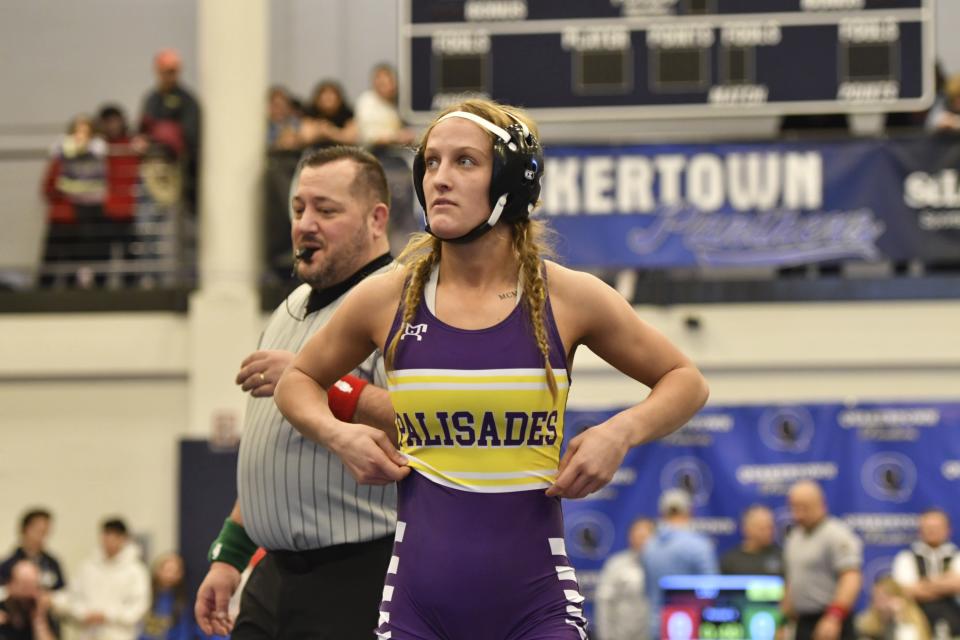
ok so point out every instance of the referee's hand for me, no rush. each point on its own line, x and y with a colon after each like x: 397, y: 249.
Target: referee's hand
x: 369, y: 455
x: 260, y: 371
x: 213, y: 599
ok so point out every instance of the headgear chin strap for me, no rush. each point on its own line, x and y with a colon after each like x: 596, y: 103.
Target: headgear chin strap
x: 514, y: 183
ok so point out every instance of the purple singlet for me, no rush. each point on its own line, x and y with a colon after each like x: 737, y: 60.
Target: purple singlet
x: 479, y: 551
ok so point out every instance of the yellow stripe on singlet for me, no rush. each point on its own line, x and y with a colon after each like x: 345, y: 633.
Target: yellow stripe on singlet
x: 503, y: 435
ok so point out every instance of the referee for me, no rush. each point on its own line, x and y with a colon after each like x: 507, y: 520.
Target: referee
x: 823, y: 559
x: 328, y: 539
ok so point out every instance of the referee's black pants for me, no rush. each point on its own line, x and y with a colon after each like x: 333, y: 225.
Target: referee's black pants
x: 327, y: 594
x: 806, y: 623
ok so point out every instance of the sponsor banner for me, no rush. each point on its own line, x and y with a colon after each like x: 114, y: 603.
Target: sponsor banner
x: 757, y: 204
x: 880, y: 465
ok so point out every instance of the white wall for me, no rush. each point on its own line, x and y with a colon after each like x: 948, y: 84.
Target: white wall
x: 63, y: 58
x: 312, y: 40
x: 90, y: 448
x: 948, y: 45
x: 91, y: 406
x: 760, y: 353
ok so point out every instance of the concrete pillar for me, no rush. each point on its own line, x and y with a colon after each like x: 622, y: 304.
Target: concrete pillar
x: 224, y: 311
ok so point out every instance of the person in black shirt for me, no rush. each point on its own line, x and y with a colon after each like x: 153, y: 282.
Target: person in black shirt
x: 171, y: 120
x: 24, y: 614
x: 929, y: 572
x: 757, y: 554
x: 329, y: 119
x: 34, y: 530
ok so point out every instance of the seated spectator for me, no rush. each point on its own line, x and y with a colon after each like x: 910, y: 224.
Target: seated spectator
x: 329, y: 119
x: 929, y: 572
x: 25, y: 612
x: 34, y: 531
x: 111, y: 593
x: 378, y: 120
x: 892, y: 615
x: 622, y: 611
x: 945, y: 115
x: 758, y: 554
x: 170, y: 616
x: 283, y: 123
x: 75, y: 188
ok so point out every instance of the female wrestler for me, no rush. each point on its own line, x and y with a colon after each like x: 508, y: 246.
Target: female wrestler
x: 479, y: 333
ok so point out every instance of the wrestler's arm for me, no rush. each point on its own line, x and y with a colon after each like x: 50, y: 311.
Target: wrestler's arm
x: 375, y: 409
x: 348, y: 338
x: 591, y: 313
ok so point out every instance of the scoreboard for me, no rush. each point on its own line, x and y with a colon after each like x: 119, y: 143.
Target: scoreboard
x: 621, y: 59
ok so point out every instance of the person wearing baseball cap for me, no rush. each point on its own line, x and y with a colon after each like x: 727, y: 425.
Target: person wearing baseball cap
x: 171, y: 119
x: 675, y: 549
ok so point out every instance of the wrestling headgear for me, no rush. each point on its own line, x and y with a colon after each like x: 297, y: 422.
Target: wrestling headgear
x: 514, y: 183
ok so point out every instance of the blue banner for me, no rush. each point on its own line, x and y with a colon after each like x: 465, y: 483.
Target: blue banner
x: 879, y: 465
x: 755, y: 204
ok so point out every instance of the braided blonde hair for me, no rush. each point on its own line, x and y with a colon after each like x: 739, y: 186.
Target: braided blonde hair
x: 530, y: 246
x: 417, y: 259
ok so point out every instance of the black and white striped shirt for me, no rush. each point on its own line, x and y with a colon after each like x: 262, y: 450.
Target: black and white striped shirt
x: 295, y: 494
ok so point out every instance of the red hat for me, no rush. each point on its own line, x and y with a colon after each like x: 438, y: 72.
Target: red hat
x: 166, y: 59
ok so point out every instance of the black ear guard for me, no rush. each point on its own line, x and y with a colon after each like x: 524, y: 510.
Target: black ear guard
x: 514, y: 183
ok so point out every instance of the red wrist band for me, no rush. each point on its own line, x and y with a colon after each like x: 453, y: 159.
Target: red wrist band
x: 343, y: 396
x: 837, y: 611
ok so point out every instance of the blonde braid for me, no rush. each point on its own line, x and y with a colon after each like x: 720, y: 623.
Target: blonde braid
x: 418, y: 257
x: 526, y: 235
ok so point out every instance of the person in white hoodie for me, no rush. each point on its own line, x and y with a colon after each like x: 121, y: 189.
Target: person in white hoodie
x: 111, y: 593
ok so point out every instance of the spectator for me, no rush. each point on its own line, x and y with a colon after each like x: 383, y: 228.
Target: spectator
x: 283, y: 123
x: 285, y: 137
x: 758, y: 554
x: 75, y: 188
x: 171, y: 119
x: 169, y: 617
x: 675, y: 549
x: 929, y: 571
x: 25, y: 613
x: 329, y: 118
x: 892, y: 615
x: 622, y: 611
x: 823, y: 559
x: 382, y: 129
x: 945, y: 114
x: 111, y: 593
x: 75, y: 183
x: 123, y: 164
x: 377, y: 117
x: 34, y: 531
